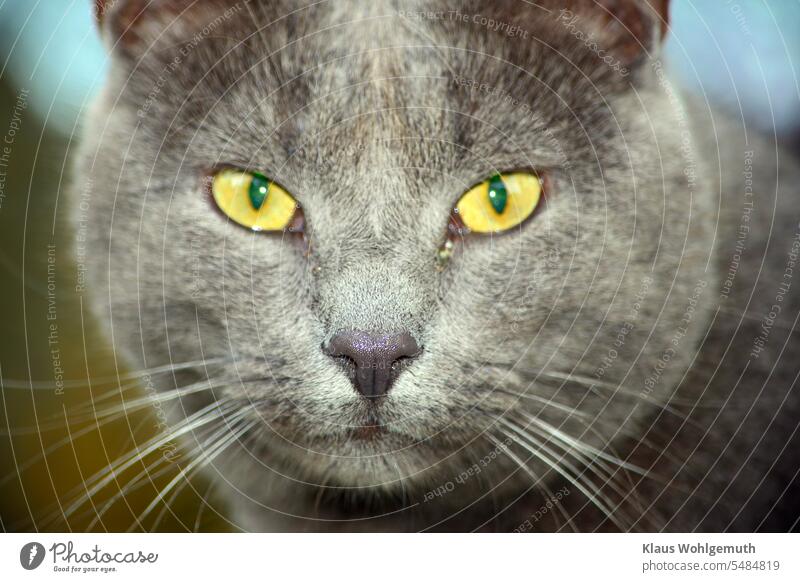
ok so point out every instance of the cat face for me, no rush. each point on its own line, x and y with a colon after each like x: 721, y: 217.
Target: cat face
x: 377, y: 119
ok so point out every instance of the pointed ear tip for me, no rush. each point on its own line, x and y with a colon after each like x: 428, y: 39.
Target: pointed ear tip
x: 660, y: 8
x: 99, y: 10
x: 102, y: 9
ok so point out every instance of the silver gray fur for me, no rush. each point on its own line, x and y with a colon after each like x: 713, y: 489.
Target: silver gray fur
x: 364, y: 115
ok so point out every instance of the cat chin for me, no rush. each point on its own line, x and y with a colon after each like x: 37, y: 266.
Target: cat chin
x: 385, y: 461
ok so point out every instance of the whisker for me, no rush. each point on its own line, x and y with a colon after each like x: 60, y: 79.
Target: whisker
x: 574, y: 448
x: 152, y: 399
x: 548, y: 402
x: 87, y: 414
x: 583, y: 447
x: 592, y: 464
x: 589, y: 420
x: 558, y: 468
x: 538, y: 482
x: 109, y: 473
x: 202, y: 508
x: 61, y: 443
x: 592, y: 383
x: 133, y: 485
x: 578, y: 414
x: 49, y: 385
x: 138, y: 481
x: 167, y: 506
x: 98, y: 421
x: 205, y: 458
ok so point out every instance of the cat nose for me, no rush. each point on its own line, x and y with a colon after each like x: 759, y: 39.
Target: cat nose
x: 377, y: 358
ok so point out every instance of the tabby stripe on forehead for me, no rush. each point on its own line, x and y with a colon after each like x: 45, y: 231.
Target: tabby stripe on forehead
x: 259, y: 188
x: 498, y: 195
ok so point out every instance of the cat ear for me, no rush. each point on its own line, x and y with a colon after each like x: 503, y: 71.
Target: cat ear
x: 131, y: 26
x: 632, y: 29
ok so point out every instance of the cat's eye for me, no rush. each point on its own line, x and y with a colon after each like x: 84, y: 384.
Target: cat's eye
x: 253, y: 200
x: 500, y: 203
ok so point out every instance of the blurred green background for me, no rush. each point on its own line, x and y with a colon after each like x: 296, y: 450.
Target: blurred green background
x: 50, y: 447
x: 742, y: 55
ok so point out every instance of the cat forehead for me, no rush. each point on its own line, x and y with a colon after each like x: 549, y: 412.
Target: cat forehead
x: 334, y: 45
x: 378, y: 54
x: 408, y: 85
x: 398, y: 97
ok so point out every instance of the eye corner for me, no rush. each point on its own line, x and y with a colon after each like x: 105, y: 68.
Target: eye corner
x: 455, y: 225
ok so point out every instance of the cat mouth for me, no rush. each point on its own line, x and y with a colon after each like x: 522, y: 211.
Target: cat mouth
x: 368, y: 433
x: 372, y: 429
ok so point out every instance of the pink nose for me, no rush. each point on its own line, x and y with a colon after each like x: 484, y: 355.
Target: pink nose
x: 377, y: 358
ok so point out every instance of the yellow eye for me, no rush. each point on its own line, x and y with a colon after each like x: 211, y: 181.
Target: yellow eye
x: 252, y: 200
x: 500, y: 203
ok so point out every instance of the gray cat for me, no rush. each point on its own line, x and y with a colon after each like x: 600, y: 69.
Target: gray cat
x: 622, y: 357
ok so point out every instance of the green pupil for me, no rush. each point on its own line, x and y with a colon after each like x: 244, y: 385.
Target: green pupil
x: 498, y: 195
x: 259, y: 188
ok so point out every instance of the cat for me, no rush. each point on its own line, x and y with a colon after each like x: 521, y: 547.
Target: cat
x: 622, y: 360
